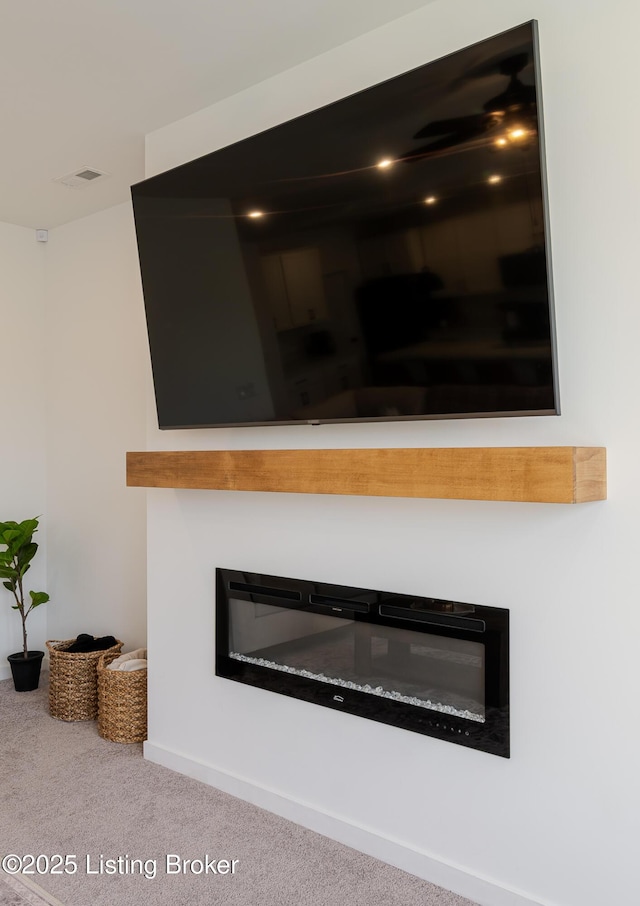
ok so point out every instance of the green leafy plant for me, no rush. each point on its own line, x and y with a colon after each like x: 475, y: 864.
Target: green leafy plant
x: 17, y: 538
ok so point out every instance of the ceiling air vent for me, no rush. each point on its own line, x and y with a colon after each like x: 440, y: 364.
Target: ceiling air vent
x: 81, y: 177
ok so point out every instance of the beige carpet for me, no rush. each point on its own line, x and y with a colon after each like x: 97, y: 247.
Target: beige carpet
x: 66, y: 791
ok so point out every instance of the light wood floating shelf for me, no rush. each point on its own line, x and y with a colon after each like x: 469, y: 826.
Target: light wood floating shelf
x: 531, y: 474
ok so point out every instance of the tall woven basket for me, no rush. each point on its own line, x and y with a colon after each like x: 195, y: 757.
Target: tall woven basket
x: 73, y: 681
x: 122, y: 703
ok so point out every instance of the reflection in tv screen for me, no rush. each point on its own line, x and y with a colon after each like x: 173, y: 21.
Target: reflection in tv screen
x: 384, y: 257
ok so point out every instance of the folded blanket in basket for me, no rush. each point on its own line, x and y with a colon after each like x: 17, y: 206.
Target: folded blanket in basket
x: 86, y: 643
x: 137, y: 663
x: 133, y: 660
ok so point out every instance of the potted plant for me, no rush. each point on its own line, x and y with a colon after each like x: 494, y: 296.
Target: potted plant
x: 15, y: 560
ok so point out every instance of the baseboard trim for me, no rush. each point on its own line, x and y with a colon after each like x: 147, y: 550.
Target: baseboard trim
x: 481, y: 890
x: 18, y: 885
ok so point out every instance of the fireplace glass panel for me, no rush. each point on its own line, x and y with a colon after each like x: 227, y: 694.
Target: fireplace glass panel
x: 419, y: 668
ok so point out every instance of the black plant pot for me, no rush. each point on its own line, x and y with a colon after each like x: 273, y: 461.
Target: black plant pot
x: 26, y: 670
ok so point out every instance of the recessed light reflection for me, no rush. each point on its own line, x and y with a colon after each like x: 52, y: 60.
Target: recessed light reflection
x: 384, y: 163
x: 495, y: 178
x: 515, y: 135
x: 255, y: 214
x: 430, y: 199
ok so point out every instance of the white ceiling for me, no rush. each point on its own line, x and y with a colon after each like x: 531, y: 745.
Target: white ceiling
x: 83, y: 81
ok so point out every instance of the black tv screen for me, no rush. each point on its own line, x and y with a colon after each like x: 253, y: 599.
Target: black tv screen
x: 384, y: 257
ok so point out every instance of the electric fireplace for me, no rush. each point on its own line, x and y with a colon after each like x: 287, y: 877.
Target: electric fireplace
x: 423, y: 664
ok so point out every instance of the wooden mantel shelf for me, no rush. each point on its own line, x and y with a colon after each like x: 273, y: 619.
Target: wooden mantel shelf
x: 531, y: 474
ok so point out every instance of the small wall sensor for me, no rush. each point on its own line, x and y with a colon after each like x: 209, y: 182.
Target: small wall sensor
x: 42, y: 235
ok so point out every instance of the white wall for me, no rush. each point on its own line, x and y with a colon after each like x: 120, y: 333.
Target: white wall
x: 22, y: 427
x: 74, y: 367
x: 557, y: 823
x: 96, y: 382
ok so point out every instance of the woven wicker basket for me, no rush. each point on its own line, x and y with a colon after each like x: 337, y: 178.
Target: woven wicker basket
x: 122, y: 702
x: 73, y: 681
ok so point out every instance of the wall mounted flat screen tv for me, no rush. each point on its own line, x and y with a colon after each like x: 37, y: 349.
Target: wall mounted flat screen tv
x: 384, y: 257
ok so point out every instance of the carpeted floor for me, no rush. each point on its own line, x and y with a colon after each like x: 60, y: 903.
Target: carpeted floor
x: 65, y: 791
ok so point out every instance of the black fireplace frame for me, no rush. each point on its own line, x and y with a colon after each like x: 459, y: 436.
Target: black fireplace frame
x: 450, y: 619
